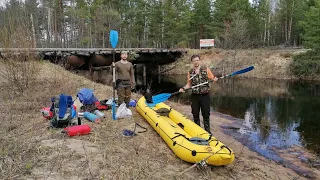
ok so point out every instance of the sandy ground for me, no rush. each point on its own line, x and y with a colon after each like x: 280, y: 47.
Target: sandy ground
x: 29, y: 150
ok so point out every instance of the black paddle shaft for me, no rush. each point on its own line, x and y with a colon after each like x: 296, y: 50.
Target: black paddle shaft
x: 201, y: 84
x: 232, y: 74
x: 165, y: 96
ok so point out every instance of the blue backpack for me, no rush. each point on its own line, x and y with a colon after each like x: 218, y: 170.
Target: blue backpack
x: 63, y: 111
x: 88, y: 100
x: 86, y: 96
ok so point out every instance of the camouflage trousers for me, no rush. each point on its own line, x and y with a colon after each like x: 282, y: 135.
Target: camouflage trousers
x: 124, y: 95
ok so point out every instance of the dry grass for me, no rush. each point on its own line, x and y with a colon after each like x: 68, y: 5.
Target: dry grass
x: 28, y: 150
x: 19, y: 69
x: 268, y: 63
x: 286, y: 55
x: 183, y: 64
x: 19, y: 72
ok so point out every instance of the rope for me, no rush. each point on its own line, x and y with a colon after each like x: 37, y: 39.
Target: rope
x: 179, y: 134
x: 136, y: 124
x: 202, y: 162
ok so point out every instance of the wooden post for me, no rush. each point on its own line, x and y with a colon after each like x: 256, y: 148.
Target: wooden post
x: 144, y: 70
x: 144, y: 75
x: 91, y: 70
x: 134, y: 72
x: 159, y: 74
x: 134, y: 69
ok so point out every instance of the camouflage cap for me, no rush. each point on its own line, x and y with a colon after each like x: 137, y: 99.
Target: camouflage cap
x: 124, y: 52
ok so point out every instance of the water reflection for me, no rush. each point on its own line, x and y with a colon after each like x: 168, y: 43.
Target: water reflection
x: 279, y: 113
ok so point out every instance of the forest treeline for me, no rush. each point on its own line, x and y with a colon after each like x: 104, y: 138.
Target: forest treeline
x: 162, y: 23
x: 234, y: 24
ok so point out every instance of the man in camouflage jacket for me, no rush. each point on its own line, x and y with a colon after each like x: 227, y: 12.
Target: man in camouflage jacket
x: 200, y: 98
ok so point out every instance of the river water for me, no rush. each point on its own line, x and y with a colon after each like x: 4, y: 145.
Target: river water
x: 272, y: 114
x: 276, y: 113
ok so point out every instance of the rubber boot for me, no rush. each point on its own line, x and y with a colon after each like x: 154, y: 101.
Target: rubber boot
x: 206, y: 123
x: 197, y: 121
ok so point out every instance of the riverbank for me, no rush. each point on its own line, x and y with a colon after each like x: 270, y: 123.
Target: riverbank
x: 29, y: 150
x: 268, y: 63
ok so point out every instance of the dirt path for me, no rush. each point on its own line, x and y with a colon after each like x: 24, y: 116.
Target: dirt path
x: 29, y: 150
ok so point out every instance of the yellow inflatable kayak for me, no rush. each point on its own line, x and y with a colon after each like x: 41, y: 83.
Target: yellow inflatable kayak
x: 186, y: 139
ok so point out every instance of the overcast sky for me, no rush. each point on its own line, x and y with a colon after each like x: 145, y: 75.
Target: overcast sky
x: 2, y: 2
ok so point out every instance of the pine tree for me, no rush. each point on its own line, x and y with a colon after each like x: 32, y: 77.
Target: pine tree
x: 201, y: 23
x: 311, y: 26
x: 228, y: 16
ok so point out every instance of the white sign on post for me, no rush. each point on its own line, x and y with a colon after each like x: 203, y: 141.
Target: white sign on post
x: 206, y: 43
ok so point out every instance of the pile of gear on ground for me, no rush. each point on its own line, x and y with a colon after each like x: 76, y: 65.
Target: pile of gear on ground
x: 63, y: 113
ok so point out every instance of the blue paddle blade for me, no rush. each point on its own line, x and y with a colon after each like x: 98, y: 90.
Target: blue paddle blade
x: 242, y: 71
x: 151, y: 104
x: 113, y: 38
x: 158, y: 99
